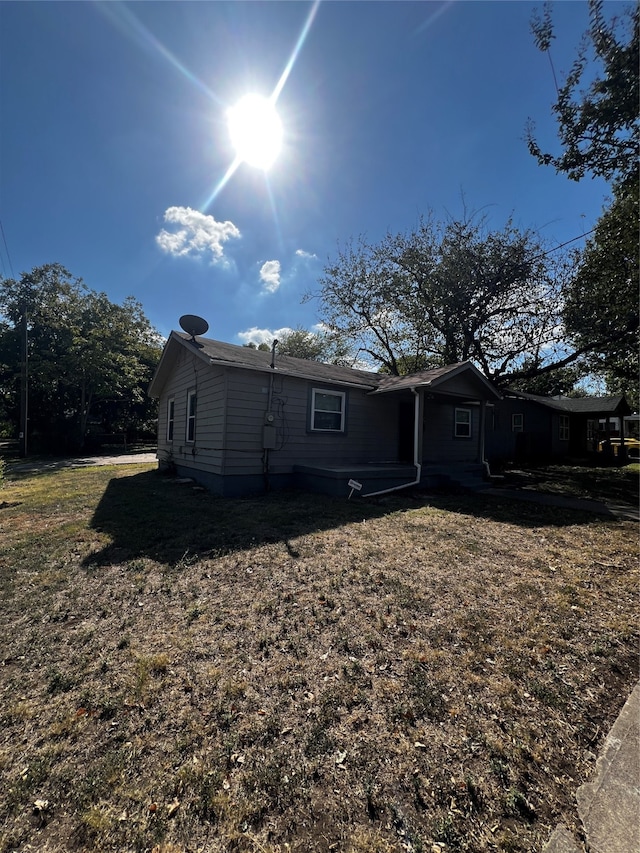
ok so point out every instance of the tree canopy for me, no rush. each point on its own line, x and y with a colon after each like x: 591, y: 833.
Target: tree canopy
x: 449, y: 292
x: 89, y: 359
x: 599, y: 125
x: 320, y: 345
x: 601, y: 310
x: 302, y: 343
x: 599, y: 131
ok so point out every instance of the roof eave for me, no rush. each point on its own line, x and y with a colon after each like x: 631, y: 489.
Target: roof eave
x: 159, y: 378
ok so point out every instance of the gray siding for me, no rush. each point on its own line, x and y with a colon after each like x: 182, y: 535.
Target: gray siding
x: 463, y: 386
x: 370, y: 433
x: 206, y: 452
x: 439, y: 443
x: 539, y: 439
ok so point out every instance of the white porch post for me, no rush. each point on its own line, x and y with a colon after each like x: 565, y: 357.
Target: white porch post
x: 482, y: 430
x: 418, y: 426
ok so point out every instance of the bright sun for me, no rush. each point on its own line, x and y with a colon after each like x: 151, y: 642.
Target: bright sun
x: 255, y: 130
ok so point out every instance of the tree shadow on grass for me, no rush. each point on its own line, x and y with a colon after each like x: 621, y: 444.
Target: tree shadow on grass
x: 522, y: 509
x: 151, y: 515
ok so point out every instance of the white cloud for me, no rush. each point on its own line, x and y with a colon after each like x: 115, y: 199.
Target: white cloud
x: 262, y: 336
x: 199, y: 234
x: 307, y: 255
x: 270, y: 276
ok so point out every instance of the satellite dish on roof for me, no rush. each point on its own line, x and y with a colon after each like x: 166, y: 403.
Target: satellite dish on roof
x: 193, y: 325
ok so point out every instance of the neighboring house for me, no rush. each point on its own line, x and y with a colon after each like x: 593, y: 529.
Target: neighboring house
x: 242, y: 421
x: 531, y: 428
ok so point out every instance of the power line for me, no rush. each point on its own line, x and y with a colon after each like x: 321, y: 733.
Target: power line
x: 562, y: 245
x: 566, y: 242
x: 6, y: 248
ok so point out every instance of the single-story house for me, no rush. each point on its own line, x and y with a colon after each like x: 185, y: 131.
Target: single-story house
x: 531, y: 428
x: 242, y: 421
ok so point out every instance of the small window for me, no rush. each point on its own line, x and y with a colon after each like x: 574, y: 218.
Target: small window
x: 592, y: 431
x: 171, y: 410
x: 191, y: 416
x: 517, y: 423
x: 327, y: 411
x: 463, y: 423
x: 564, y: 427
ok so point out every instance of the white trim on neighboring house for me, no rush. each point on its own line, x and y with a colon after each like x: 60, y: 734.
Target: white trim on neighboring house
x: 171, y: 417
x: 190, y: 426
x: 462, y: 422
x: 322, y: 412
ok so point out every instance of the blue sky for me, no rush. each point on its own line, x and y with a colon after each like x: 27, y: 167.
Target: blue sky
x: 114, y: 143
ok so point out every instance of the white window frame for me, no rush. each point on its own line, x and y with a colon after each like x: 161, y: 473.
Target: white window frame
x: 517, y: 422
x: 563, y: 428
x: 190, y: 426
x: 468, y: 424
x: 171, y: 418
x: 314, y: 408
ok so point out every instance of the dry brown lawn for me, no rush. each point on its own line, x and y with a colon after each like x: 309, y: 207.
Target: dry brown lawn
x: 294, y: 673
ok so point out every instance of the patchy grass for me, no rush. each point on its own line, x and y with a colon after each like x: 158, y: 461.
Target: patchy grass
x: 595, y: 482
x: 179, y: 672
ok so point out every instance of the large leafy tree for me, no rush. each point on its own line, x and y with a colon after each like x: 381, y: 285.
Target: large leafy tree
x: 601, y: 312
x: 88, y: 357
x: 8, y: 402
x: 302, y: 343
x: 597, y: 104
x: 445, y: 293
x: 599, y: 132
x: 563, y: 381
x: 319, y: 345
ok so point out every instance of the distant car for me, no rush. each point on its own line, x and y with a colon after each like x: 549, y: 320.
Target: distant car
x: 632, y: 446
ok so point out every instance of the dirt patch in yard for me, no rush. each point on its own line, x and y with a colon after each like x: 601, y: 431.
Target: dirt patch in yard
x: 295, y: 673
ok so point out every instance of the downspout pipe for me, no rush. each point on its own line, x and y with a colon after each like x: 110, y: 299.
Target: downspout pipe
x: 416, y: 452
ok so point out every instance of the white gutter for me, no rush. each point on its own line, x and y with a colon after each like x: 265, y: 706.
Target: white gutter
x: 416, y: 451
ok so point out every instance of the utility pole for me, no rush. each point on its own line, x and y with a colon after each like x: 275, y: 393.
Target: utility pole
x: 24, y: 385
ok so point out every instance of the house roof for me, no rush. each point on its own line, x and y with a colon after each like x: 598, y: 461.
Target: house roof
x: 254, y: 359
x: 614, y: 405
x: 434, y: 378
x: 230, y: 355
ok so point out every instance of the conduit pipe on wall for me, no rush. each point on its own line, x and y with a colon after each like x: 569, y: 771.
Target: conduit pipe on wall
x: 416, y: 452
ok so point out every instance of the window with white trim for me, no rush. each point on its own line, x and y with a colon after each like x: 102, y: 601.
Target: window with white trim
x: 564, y: 427
x: 462, y: 423
x: 191, y: 416
x: 171, y: 411
x: 327, y: 410
x: 517, y: 422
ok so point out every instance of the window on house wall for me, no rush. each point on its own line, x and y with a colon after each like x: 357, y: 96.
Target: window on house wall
x: 462, y: 423
x: 191, y: 416
x: 327, y: 410
x: 171, y: 410
x: 592, y: 430
x: 564, y: 427
x: 517, y: 422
